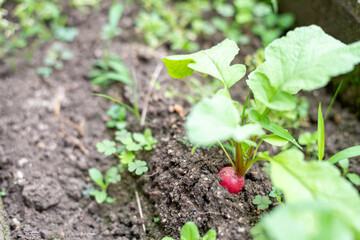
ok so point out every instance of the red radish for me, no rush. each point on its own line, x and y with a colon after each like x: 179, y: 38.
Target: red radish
x: 233, y: 183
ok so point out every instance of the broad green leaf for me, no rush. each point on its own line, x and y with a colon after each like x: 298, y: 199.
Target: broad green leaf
x: 217, y: 119
x: 210, y: 235
x: 214, y: 62
x: 310, y: 220
x: 305, y: 58
x: 275, y: 140
x: 269, y: 95
x: 110, y: 200
x: 321, y: 134
x: 346, y: 153
x: 189, y: 232
x: 306, y: 181
x: 97, y: 177
x: 138, y: 166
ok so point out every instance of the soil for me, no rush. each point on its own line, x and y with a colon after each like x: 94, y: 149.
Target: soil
x: 44, y: 158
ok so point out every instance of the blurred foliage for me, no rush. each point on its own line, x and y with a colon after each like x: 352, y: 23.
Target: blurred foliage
x: 181, y: 23
x: 30, y: 23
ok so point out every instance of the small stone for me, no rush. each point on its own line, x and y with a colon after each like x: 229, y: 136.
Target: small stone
x: 22, y: 162
x: 14, y: 223
x: 241, y: 229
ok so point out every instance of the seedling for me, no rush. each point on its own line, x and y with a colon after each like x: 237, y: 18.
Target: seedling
x: 111, y: 177
x: 293, y: 63
x: 110, y: 29
x: 2, y: 193
x: 117, y: 115
x: 108, y: 70
x: 138, y: 166
x: 190, y: 231
x: 276, y: 193
x: 309, y: 140
x: 54, y: 59
x: 354, y: 178
x: 107, y: 147
x: 262, y: 202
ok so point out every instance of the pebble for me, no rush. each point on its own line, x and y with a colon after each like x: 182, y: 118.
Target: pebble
x: 22, y: 162
x: 14, y: 223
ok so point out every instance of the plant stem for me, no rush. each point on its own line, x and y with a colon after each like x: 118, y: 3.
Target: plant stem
x: 232, y: 163
x: 243, y: 113
x: 239, y: 162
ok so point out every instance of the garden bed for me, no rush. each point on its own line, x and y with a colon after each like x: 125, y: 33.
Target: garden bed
x: 49, y: 129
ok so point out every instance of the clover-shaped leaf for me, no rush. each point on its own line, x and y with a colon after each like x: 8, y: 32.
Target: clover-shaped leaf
x: 122, y: 135
x: 131, y: 145
x: 138, y: 166
x: 107, y: 147
x: 263, y: 202
x: 126, y: 157
x: 146, y: 140
x: 116, y: 112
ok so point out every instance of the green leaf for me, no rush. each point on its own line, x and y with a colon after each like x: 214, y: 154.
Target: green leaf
x: 346, y: 153
x: 354, y: 178
x: 310, y: 220
x: 115, y: 13
x: 273, y: 127
x: 167, y: 238
x: 138, y: 166
x: 110, y: 200
x: 116, y: 112
x: 210, y: 235
x: 122, y: 135
x: 344, y: 164
x: 275, y: 140
x: 321, y: 134
x: 305, y: 58
x: 107, y: 147
x: 101, y: 197
x: 263, y: 202
x: 131, y: 145
x: 217, y: 119
x: 112, y: 176
x: 127, y: 157
x: 214, y: 62
x: 189, y: 232
x: 97, y: 177
x: 44, y: 71
x: 305, y: 181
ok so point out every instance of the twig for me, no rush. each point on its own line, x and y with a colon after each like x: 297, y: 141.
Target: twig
x: 154, y: 77
x: 75, y: 141
x: 140, y: 210
x: 79, y: 127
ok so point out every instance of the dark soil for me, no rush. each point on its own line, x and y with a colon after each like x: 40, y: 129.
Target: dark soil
x: 44, y: 159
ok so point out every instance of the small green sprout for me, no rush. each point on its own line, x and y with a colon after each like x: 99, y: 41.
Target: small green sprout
x: 156, y: 220
x: 263, y: 202
x: 126, y: 157
x: 2, y: 193
x: 117, y: 114
x: 107, y: 147
x: 138, y: 166
x: 354, y: 178
x: 276, y: 193
x: 111, y: 177
x: 146, y: 140
x: 191, y: 232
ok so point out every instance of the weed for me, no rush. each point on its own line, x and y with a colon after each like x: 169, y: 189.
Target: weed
x: 190, y: 231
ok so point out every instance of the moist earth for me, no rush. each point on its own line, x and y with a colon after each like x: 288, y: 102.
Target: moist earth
x: 49, y: 129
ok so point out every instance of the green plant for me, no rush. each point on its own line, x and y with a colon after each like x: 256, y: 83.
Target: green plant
x: 140, y: 167
x: 276, y: 193
x: 2, y: 193
x: 111, y: 177
x: 54, y: 59
x: 262, y: 202
x: 110, y: 30
x: 293, y: 63
x: 117, y: 116
x: 129, y: 143
x: 190, y: 232
x: 354, y: 178
x: 309, y: 140
x: 108, y: 70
